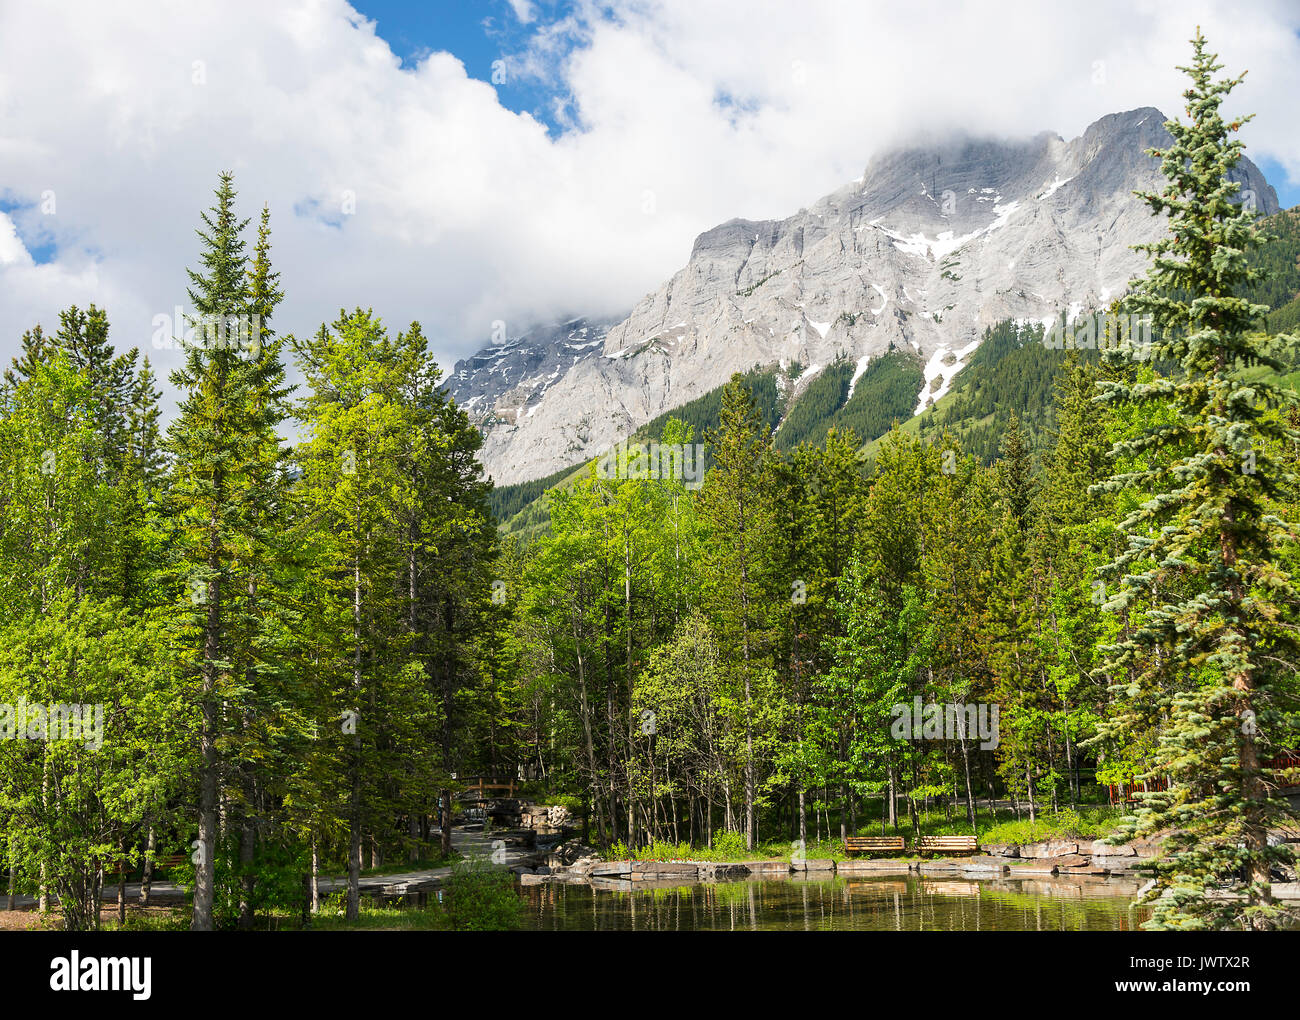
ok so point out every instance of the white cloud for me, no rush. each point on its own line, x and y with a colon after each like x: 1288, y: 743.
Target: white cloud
x: 12, y: 250
x: 523, y: 10
x: 466, y: 212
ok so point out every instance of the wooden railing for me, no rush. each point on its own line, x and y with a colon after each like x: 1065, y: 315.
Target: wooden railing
x: 480, y: 784
x: 1286, y: 760
x: 1123, y: 792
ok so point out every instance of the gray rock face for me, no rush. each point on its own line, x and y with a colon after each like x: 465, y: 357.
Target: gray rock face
x: 923, y: 252
x: 1050, y: 848
x: 502, y: 381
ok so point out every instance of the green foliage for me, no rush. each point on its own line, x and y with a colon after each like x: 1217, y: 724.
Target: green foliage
x: 507, y: 500
x: 703, y: 414
x: 746, y: 291
x: 810, y: 415
x: 1204, y: 665
x: 1278, y: 263
x: 1011, y: 372
x: 729, y: 845
x: 1092, y: 823
x: 298, y: 647
x: 885, y: 394
x: 481, y: 897
x: 106, y: 775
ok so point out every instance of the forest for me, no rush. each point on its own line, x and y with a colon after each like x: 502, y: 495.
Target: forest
x: 299, y: 647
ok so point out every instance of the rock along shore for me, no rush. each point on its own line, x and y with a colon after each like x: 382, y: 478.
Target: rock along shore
x: 1058, y: 858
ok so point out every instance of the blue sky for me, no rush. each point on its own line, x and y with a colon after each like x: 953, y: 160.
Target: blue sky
x: 478, y: 33
x: 1288, y: 194
x: 39, y: 244
x: 481, y: 32
x: 623, y: 128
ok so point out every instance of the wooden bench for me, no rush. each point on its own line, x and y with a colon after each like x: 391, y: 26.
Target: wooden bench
x: 873, y: 845
x: 947, y: 845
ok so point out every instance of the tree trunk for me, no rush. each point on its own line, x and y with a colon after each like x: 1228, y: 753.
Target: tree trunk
x: 750, y: 827
x: 247, y: 843
x: 204, y: 868
x: 354, y: 805
x: 1069, y: 764
x: 970, y: 794
x: 146, y: 873
x: 315, y: 876
x: 588, y: 742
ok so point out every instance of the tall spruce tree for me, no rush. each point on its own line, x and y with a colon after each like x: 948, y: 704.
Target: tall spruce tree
x: 735, y: 505
x: 1211, y: 662
x: 224, y: 450
x: 359, y: 497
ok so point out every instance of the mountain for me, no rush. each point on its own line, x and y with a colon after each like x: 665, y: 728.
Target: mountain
x: 920, y: 256
x: 1011, y: 373
x: 502, y: 381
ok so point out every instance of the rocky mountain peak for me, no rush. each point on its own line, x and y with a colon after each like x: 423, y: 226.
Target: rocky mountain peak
x: 929, y: 247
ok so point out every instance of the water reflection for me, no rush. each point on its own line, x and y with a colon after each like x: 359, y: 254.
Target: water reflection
x: 866, y: 903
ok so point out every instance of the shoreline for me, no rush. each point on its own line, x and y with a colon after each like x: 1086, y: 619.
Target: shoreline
x: 1091, y: 860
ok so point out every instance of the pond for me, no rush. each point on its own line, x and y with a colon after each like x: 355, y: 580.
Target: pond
x: 869, y: 903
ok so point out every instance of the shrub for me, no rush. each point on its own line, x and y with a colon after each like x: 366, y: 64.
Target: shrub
x: 1090, y: 824
x: 729, y: 844
x: 482, y: 898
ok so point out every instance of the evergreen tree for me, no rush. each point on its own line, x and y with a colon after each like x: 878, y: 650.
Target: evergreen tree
x: 1212, y: 659
x: 736, y: 510
x: 224, y: 447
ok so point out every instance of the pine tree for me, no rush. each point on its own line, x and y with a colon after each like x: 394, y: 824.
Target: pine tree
x: 1014, y: 615
x: 735, y: 506
x: 259, y: 622
x: 959, y: 548
x: 886, y: 590
x: 1017, y: 473
x: 448, y: 542
x: 224, y: 450
x: 1073, y: 534
x: 1212, y: 661
x: 358, y: 496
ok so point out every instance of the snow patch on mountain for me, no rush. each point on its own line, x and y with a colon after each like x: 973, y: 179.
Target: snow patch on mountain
x: 926, y: 251
x: 943, y: 366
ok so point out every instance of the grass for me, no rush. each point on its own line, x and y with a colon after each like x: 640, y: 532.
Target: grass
x: 156, y: 918
x: 402, y: 867
x: 1089, y: 822
x: 170, y: 918
x: 727, y: 847
x: 374, y: 917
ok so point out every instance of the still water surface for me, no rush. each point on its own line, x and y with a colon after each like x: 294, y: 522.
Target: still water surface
x: 866, y: 903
